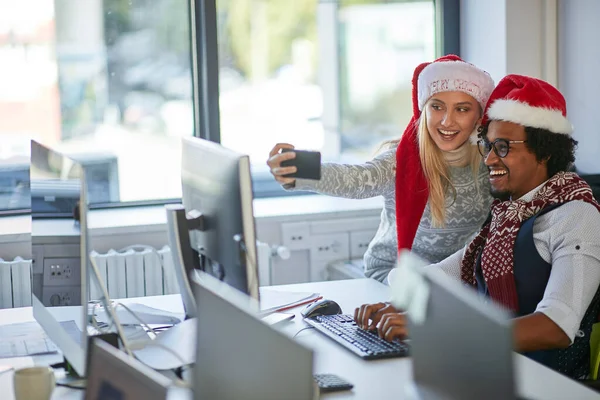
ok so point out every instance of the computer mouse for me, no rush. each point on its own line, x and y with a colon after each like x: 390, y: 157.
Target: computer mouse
x: 321, y: 307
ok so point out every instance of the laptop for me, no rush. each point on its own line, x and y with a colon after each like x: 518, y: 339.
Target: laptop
x: 462, y: 348
x: 112, y: 375
x: 238, y: 356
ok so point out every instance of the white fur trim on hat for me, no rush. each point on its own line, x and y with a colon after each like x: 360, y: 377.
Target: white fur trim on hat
x: 526, y: 115
x: 450, y: 76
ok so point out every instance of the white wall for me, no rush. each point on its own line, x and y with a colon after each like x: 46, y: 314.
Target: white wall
x: 510, y: 37
x: 554, y: 40
x: 483, y: 35
x: 579, y: 66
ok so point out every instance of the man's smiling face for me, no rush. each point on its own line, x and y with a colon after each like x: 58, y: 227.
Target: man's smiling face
x: 519, y: 171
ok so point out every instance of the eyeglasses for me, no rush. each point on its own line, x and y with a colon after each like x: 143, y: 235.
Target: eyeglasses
x: 500, y: 146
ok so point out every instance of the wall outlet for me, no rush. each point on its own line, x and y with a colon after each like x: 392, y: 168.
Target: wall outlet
x: 62, y: 272
x: 295, y: 235
x: 61, y: 296
x: 359, y: 242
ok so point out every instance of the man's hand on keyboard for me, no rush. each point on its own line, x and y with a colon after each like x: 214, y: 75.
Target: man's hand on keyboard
x: 393, y: 326
x: 368, y: 316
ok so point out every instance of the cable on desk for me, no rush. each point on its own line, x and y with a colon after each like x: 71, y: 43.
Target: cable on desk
x: 73, y: 386
x: 145, y: 325
x: 111, y: 310
x: 145, y: 343
x: 163, y: 328
x: 303, y: 329
x: 59, y: 365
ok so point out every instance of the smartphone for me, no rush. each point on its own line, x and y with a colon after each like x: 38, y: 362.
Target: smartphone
x: 308, y: 164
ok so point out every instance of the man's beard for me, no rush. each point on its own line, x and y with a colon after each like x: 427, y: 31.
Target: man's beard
x: 500, y: 195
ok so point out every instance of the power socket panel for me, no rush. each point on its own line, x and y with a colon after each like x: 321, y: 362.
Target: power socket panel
x: 62, y: 272
x: 55, y: 296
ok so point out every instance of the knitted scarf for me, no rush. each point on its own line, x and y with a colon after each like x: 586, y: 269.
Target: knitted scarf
x: 496, y: 240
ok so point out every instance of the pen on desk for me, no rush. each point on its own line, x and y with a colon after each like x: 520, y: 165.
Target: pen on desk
x: 300, y: 304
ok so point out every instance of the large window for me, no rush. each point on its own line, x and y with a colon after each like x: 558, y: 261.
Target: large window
x: 110, y: 82
x: 107, y: 81
x: 380, y: 45
x: 332, y: 76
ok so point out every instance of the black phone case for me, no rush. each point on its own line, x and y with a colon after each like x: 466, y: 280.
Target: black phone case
x: 307, y: 162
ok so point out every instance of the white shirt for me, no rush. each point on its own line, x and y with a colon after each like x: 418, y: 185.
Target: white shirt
x: 568, y: 238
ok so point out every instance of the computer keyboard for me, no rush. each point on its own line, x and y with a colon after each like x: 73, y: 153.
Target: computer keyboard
x: 365, y: 344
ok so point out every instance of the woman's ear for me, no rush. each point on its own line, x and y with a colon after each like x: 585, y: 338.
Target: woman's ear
x: 474, y: 137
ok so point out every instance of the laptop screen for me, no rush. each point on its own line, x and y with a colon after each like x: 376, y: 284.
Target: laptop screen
x: 115, y: 376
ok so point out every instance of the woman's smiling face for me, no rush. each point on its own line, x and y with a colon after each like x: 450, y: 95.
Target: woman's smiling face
x: 451, y: 118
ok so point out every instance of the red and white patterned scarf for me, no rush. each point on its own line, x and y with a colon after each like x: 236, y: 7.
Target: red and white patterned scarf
x: 497, y: 238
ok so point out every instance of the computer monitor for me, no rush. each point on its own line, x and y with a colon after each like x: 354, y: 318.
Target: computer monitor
x: 462, y: 349
x: 216, y: 220
x: 60, y: 179
x: 238, y: 356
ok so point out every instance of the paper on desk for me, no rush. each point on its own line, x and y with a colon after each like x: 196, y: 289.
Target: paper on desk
x: 179, y: 339
x: 147, y: 314
x: 276, y: 300
x: 24, y: 339
x: 410, y: 290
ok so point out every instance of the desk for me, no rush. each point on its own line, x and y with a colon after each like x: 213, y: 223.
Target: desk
x: 25, y: 314
x: 378, y: 379
x: 383, y: 379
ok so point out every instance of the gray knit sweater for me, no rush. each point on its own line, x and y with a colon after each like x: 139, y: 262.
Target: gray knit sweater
x: 464, y: 216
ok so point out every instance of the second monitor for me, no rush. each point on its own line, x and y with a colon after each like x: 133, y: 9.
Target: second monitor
x: 215, y: 231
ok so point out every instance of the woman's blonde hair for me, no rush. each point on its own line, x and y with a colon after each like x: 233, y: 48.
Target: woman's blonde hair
x: 437, y: 173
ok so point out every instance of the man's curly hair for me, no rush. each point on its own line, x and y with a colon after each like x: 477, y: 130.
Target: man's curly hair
x: 557, y: 148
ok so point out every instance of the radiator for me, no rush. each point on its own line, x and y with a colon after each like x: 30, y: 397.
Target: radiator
x: 15, y: 283
x: 143, y: 271
x: 135, y: 272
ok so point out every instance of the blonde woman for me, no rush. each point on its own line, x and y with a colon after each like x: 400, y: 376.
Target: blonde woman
x: 434, y: 184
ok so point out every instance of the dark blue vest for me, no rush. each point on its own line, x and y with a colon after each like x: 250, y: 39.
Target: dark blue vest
x: 531, y: 277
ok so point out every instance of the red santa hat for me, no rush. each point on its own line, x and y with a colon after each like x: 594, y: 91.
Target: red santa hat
x: 529, y: 102
x: 446, y: 74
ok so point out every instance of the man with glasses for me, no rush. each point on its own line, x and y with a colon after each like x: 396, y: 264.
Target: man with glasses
x: 538, y: 253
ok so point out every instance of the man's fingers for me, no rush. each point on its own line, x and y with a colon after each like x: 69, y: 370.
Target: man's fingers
x: 395, y: 332
x: 364, y: 313
x: 392, y: 326
x: 376, y: 316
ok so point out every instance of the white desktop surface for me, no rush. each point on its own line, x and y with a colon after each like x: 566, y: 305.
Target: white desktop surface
x: 25, y: 314
x: 377, y: 379
x: 384, y: 379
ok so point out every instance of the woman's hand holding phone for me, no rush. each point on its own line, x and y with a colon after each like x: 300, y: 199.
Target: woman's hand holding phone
x: 276, y: 157
x: 286, y: 163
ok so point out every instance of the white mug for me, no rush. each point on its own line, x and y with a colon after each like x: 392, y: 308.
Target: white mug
x: 33, y: 383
